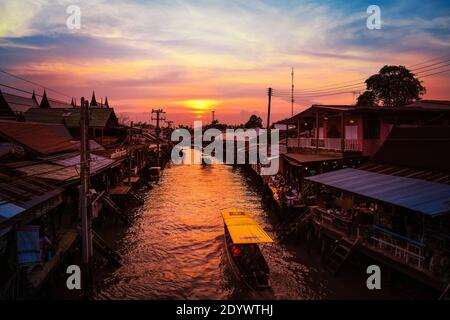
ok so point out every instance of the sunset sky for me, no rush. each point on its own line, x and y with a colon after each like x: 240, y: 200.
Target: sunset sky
x: 191, y: 57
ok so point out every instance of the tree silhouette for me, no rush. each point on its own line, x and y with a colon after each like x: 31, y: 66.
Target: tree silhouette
x: 366, y: 99
x: 254, y: 122
x: 394, y: 86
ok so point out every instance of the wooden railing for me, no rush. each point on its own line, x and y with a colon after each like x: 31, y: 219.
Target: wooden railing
x: 399, y: 247
x: 327, y: 144
x: 406, y: 250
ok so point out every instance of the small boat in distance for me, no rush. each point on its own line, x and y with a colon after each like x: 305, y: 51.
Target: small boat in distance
x: 247, y: 263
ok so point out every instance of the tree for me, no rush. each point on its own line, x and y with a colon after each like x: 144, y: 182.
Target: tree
x: 254, y: 122
x: 395, y: 86
x: 123, y: 119
x: 366, y: 99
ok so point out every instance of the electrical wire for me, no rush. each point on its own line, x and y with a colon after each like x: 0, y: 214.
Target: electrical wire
x: 35, y: 83
x: 357, y: 82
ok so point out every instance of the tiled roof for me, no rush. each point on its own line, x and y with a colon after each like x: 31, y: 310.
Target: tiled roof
x: 57, y: 104
x: 99, y: 117
x: 45, y: 115
x: 16, y: 103
x: 41, y: 138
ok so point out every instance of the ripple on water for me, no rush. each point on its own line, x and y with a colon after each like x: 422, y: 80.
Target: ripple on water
x: 175, y: 251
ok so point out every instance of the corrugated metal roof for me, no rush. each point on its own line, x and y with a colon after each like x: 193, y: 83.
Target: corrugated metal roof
x: 9, y: 210
x: 65, y: 169
x: 42, y: 138
x: 97, y: 162
x: 21, y: 194
x: 426, y: 197
x: 311, y: 157
x: 93, y: 145
x: 50, y: 171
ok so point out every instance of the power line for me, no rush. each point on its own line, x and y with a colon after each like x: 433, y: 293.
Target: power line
x: 427, y: 61
x: 318, y: 91
x: 347, y: 92
x: 431, y: 65
x: 21, y: 90
x: 432, y: 74
x: 25, y: 91
x: 361, y: 80
x: 35, y: 83
x: 325, y: 92
x: 431, y: 69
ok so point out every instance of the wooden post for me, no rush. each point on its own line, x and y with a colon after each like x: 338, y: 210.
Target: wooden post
x: 342, y: 132
x: 269, y: 94
x: 85, y: 201
x: 287, y: 134
x: 130, y: 152
x: 298, y: 132
x: 268, y: 107
x: 317, y: 130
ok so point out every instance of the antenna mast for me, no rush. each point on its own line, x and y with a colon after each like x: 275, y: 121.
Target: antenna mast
x: 292, y: 93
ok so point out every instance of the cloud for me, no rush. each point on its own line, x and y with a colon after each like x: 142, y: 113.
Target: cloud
x: 167, y: 51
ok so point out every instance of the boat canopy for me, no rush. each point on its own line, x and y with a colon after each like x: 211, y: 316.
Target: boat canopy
x: 243, y: 229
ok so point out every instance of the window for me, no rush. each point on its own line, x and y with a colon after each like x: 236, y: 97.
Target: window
x: 351, y: 132
x: 321, y: 133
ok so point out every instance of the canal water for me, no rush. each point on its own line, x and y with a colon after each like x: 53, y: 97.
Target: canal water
x: 175, y: 249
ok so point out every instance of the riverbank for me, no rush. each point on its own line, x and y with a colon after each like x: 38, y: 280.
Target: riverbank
x: 308, y: 240
x: 175, y: 249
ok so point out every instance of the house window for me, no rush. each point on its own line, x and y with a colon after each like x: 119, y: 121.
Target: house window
x: 351, y: 132
x: 321, y: 133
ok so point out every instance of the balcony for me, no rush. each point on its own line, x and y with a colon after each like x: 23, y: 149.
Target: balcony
x: 334, y: 144
x: 406, y: 250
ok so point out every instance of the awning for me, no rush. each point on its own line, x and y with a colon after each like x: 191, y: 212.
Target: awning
x: 307, y: 158
x: 426, y: 197
x: 243, y: 229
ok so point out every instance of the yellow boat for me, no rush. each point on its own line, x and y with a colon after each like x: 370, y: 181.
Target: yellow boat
x: 242, y: 236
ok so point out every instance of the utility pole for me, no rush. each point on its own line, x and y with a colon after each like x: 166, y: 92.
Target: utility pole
x: 269, y: 93
x: 268, y: 107
x: 85, y: 200
x: 130, y: 152
x: 213, y: 113
x: 160, y: 116
x: 292, y: 93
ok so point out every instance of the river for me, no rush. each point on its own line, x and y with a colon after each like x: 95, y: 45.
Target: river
x: 175, y: 249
